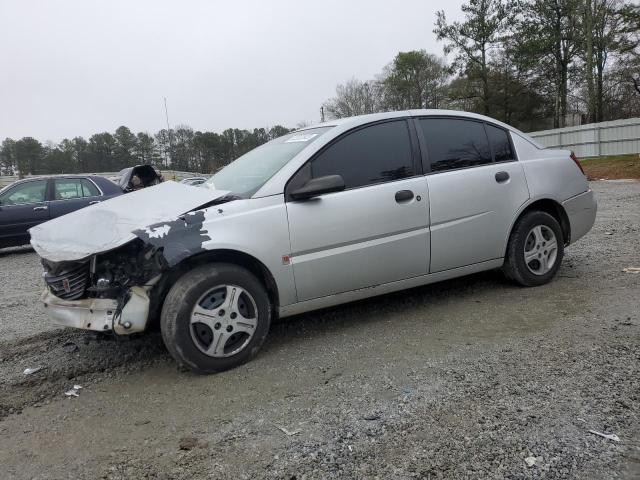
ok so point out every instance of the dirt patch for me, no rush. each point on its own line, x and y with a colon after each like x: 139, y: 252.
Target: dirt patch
x: 612, y: 167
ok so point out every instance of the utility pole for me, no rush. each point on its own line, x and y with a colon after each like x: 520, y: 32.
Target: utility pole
x: 322, y: 114
x: 166, y: 112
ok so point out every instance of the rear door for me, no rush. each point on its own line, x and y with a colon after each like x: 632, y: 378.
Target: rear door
x: 70, y: 194
x: 476, y: 185
x: 373, y: 232
x: 22, y: 207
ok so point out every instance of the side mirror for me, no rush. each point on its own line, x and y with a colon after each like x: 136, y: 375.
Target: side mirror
x: 318, y: 186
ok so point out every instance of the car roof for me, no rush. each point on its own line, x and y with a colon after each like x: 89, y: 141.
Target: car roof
x: 47, y: 177
x: 373, y: 117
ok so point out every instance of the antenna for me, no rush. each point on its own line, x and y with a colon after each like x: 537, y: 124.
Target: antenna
x: 166, y: 112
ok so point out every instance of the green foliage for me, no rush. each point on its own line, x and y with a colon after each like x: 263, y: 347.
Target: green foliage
x: 179, y: 149
x: 415, y: 79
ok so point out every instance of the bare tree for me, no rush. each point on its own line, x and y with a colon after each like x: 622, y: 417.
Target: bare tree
x: 354, y: 98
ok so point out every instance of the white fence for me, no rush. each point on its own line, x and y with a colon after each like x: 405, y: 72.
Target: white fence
x: 617, y: 137
x: 167, y: 174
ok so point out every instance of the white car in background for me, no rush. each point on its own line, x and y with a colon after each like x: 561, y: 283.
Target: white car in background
x: 325, y: 215
x: 194, y: 180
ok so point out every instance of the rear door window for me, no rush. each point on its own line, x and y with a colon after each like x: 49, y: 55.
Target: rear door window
x: 69, y: 188
x: 454, y: 143
x: 373, y: 154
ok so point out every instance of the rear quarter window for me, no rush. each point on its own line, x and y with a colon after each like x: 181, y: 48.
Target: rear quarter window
x: 500, y: 144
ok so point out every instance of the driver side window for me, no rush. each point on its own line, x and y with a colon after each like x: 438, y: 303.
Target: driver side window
x: 29, y: 192
x: 373, y: 154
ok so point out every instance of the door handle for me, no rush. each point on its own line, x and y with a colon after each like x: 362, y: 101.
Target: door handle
x: 502, y: 177
x: 40, y: 209
x: 94, y: 202
x: 404, y: 196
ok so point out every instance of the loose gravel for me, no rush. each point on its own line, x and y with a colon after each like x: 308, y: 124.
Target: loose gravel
x: 470, y: 378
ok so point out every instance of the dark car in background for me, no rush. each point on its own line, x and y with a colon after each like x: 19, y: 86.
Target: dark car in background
x: 27, y: 203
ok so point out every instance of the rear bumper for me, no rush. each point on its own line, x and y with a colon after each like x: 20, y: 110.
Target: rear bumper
x: 581, y: 211
x: 100, y: 314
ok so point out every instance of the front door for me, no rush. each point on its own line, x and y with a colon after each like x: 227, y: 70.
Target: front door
x: 373, y: 232
x: 22, y: 207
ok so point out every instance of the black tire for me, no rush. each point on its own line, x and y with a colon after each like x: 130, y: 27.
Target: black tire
x: 175, y: 321
x: 514, y: 266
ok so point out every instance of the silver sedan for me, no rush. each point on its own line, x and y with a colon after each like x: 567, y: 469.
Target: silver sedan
x: 322, y: 216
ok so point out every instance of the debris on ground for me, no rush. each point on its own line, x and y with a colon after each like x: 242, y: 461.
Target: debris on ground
x: 530, y: 461
x: 74, y: 392
x: 189, y: 443
x: 288, y: 433
x: 631, y: 270
x: 31, y: 371
x: 608, y: 233
x: 70, y: 347
x: 608, y: 436
x: 371, y: 417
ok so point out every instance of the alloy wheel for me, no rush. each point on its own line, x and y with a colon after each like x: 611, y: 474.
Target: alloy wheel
x: 223, y: 321
x: 540, y: 250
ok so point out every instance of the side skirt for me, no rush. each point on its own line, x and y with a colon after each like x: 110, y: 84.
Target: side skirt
x: 346, y: 297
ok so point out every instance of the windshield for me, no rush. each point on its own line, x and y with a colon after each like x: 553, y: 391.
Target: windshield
x: 245, y: 175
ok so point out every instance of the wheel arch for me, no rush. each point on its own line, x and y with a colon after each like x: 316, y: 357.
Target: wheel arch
x: 547, y: 205
x: 235, y: 257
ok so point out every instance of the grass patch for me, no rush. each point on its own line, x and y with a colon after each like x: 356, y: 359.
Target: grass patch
x: 612, y: 167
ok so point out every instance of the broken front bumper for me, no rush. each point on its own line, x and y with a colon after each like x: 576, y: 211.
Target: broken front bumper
x: 100, y: 314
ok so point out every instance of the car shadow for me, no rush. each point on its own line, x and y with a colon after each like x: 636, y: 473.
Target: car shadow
x: 24, y: 249
x: 397, y: 303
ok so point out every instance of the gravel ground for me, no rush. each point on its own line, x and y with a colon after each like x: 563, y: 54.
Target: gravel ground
x: 469, y: 378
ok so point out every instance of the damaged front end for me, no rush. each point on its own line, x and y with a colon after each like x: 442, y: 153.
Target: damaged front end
x: 105, y: 264
x: 109, y: 292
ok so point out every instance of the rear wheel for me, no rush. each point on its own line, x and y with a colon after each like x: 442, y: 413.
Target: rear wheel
x: 215, y: 317
x: 535, y: 249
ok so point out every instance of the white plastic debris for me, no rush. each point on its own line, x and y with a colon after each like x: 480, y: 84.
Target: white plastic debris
x: 530, y: 461
x: 74, y: 392
x: 288, y: 433
x: 31, y: 371
x: 631, y: 270
x: 608, y: 436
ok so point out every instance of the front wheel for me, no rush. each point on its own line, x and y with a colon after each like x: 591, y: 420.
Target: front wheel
x: 215, y: 317
x: 535, y: 250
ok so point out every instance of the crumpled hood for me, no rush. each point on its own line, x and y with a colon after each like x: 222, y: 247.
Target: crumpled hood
x: 112, y: 223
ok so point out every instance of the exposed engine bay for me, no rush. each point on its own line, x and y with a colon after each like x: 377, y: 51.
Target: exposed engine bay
x: 106, y: 275
x: 111, y: 291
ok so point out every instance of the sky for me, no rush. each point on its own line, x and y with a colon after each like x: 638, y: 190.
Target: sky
x: 77, y: 67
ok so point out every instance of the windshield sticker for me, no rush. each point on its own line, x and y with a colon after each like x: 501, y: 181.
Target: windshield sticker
x: 301, y: 137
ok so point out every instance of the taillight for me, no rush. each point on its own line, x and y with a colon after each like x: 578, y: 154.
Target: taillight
x: 577, y: 162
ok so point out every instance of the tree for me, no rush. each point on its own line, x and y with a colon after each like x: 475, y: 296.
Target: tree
x: 125, y: 146
x: 354, y: 98
x: 615, y: 30
x: 8, y: 163
x: 278, y: 131
x: 145, y: 149
x: 100, y: 153
x: 474, y: 39
x: 549, y: 32
x: 415, y: 79
x: 29, y: 154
